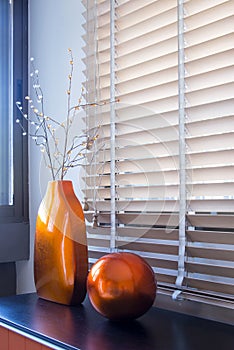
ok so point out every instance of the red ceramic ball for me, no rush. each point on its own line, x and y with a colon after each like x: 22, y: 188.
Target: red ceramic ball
x: 121, y: 286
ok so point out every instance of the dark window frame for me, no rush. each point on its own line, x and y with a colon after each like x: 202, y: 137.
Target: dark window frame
x: 14, y: 219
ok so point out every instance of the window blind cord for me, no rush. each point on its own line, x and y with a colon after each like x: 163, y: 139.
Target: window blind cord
x: 98, y: 122
x: 182, y: 158
x: 87, y: 118
x: 112, y: 126
x: 96, y: 97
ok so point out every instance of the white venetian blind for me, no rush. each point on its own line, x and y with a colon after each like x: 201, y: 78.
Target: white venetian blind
x: 209, y: 93
x: 148, y: 83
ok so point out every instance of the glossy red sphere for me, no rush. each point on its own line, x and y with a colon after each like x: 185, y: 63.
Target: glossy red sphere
x: 121, y: 286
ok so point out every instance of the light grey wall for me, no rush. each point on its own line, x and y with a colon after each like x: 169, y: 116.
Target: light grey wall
x: 54, y: 26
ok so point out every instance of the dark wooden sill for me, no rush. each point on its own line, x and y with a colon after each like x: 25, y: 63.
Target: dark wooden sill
x: 83, y: 328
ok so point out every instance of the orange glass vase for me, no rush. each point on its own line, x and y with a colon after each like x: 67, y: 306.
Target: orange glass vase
x: 60, y: 249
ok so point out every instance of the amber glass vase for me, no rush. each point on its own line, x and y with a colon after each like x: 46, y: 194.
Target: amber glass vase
x: 60, y: 249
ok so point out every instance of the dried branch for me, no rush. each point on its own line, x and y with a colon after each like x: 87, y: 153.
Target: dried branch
x: 59, y: 161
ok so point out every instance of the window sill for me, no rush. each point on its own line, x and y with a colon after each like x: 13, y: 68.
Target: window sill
x: 62, y: 327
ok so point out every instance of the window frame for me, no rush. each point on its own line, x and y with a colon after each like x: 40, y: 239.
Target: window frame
x: 14, y: 219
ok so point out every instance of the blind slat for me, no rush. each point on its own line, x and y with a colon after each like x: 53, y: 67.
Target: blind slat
x: 210, y: 253
x: 216, y: 237
x: 220, y: 288
x: 151, y: 248
x: 203, y: 220
x: 167, y: 205
x: 209, y: 269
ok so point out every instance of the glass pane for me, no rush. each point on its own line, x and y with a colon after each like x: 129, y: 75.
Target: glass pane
x: 6, y: 158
